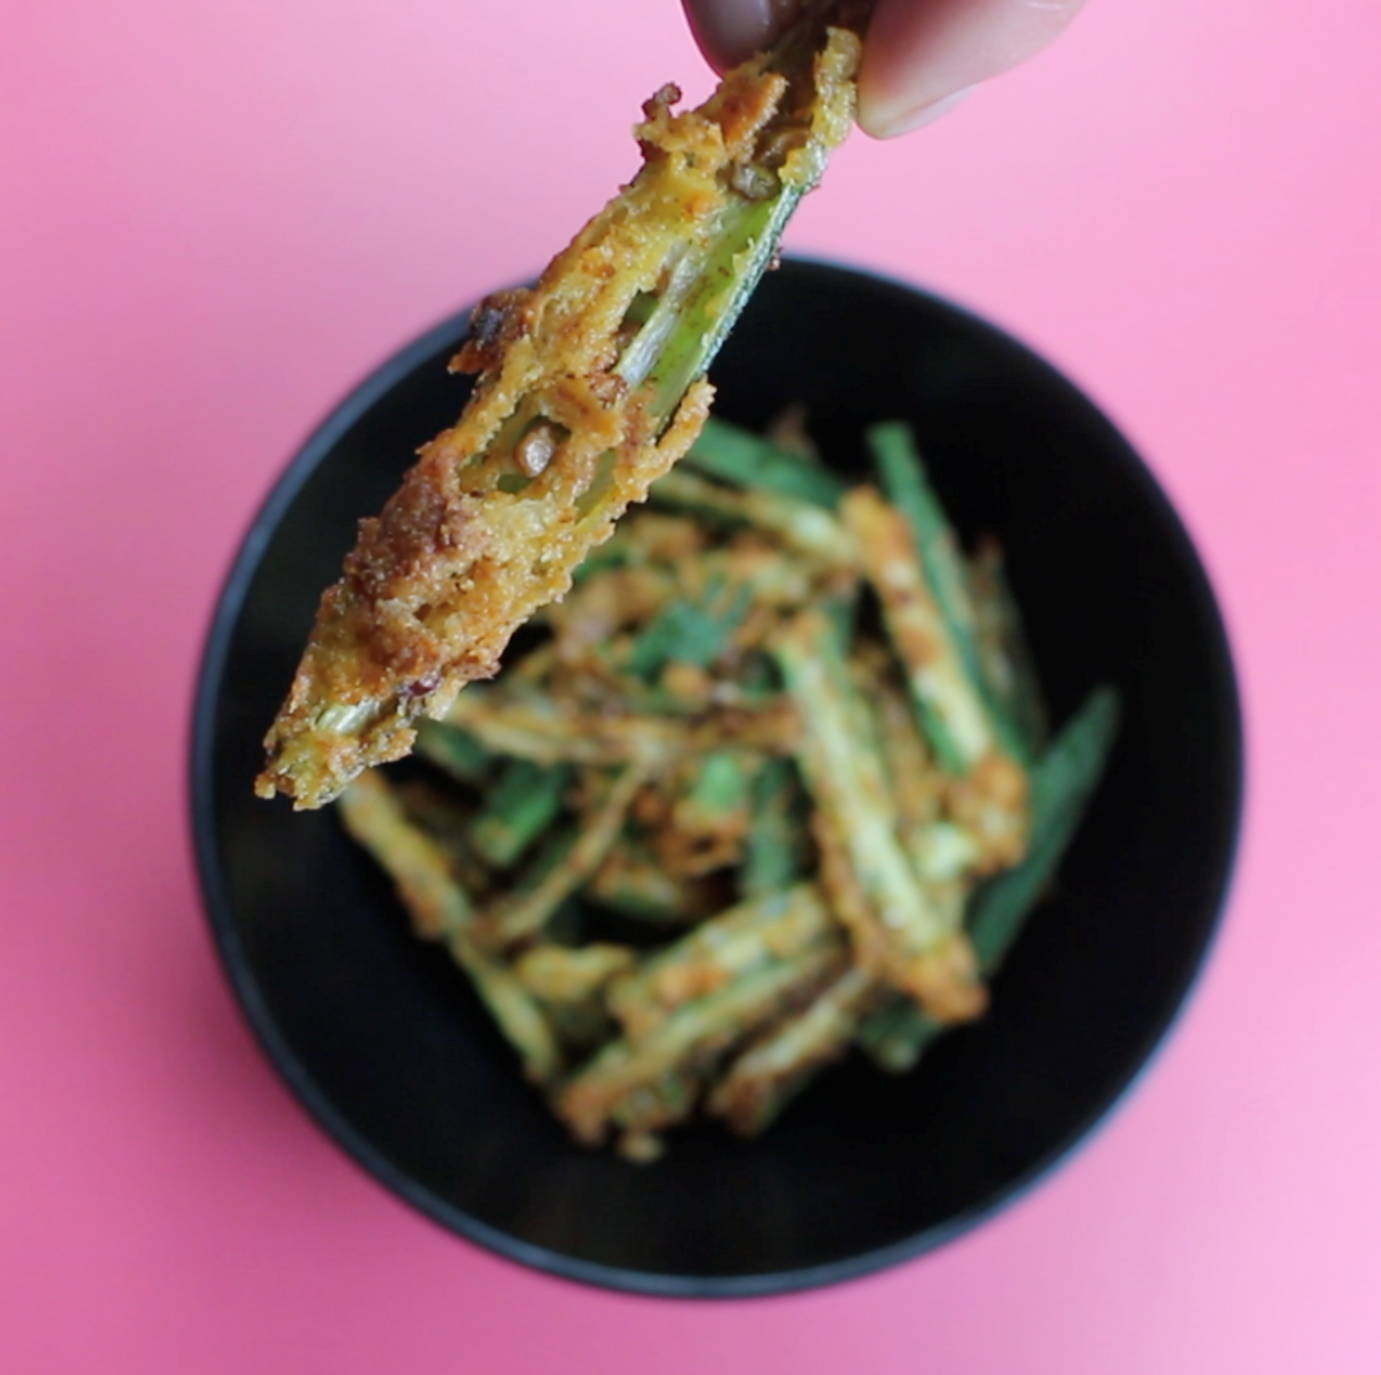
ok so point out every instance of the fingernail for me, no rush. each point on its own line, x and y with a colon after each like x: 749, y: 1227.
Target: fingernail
x: 918, y: 116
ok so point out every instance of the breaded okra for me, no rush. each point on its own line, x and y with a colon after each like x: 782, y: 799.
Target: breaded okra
x: 590, y: 386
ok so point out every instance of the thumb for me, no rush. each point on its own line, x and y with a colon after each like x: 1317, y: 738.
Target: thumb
x: 921, y: 55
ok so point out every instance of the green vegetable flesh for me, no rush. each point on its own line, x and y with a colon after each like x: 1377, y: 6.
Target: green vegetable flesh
x: 521, y: 805
x: 775, y: 851
x: 1062, y: 784
x: 737, y: 456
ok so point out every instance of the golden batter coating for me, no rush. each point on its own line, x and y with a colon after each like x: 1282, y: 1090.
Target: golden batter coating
x: 590, y: 387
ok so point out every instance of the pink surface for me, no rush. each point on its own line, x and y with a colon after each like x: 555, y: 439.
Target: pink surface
x: 217, y: 216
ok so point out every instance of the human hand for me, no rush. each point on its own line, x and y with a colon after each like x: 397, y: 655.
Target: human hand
x: 920, y: 57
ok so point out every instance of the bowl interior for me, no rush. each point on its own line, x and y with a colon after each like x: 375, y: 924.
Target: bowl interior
x: 381, y: 1038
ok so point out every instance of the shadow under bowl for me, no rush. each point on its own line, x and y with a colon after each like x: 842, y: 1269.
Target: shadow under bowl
x: 380, y: 1038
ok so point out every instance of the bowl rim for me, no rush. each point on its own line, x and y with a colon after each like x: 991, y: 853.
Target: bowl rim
x: 1218, y: 665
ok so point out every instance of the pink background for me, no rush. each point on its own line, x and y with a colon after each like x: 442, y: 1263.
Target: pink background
x: 215, y: 217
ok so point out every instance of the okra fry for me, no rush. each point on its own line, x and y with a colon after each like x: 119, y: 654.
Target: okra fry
x: 773, y: 1069
x: 896, y: 929
x: 446, y: 820
x: 717, y: 799
x: 569, y: 974
x: 686, y: 632
x: 988, y: 794
x: 952, y: 712
x: 908, y: 489
x: 799, y: 525
x: 896, y: 1035
x: 905, y: 481
x: 591, y: 385
x: 730, y: 454
x: 1062, y: 784
x: 546, y: 732
x: 702, y: 1028
x: 916, y: 782
x: 774, y: 848
x: 522, y: 803
x: 778, y: 577
x: 550, y: 733
x: 1003, y: 650
x: 719, y: 951
x: 940, y: 852
x: 526, y: 911
x: 632, y: 883
x: 375, y: 818
x: 441, y: 911
x: 819, y: 814
x: 512, y: 1008
x: 660, y: 1104
x: 454, y: 751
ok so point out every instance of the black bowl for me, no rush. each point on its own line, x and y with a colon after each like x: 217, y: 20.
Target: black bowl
x: 381, y: 1039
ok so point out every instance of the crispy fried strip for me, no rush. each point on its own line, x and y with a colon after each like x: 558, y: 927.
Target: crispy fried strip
x: 632, y: 882
x: 774, y: 850
x: 1064, y: 779
x: 954, y: 714
x: 709, y: 821
x: 769, y: 1074
x: 988, y: 793
x: 446, y: 821
x: 591, y: 386
x: 548, y: 733
x: 697, y: 1030
x: 1003, y: 650
x: 527, y: 910
x: 897, y: 930
x: 801, y: 526
x: 440, y: 911
x: 562, y: 974
x: 718, y: 951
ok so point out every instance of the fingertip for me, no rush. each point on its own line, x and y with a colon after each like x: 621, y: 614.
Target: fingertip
x: 920, y: 54
x: 728, y: 31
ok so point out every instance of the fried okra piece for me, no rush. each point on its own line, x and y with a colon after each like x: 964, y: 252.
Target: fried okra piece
x: 575, y: 854
x: 570, y: 974
x: 1003, y: 651
x: 988, y: 795
x: 1062, y: 783
x: 523, y: 802
x: 551, y: 732
x: 703, y: 1028
x: 797, y: 524
x: 719, y: 951
x: 897, y: 930
x: 455, y: 752
x: 441, y: 911
x: 776, y: 1067
x: 591, y: 385
x: 775, y: 850
x: 446, y: 820
x: 745, y: 459
x: 633, y: 883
